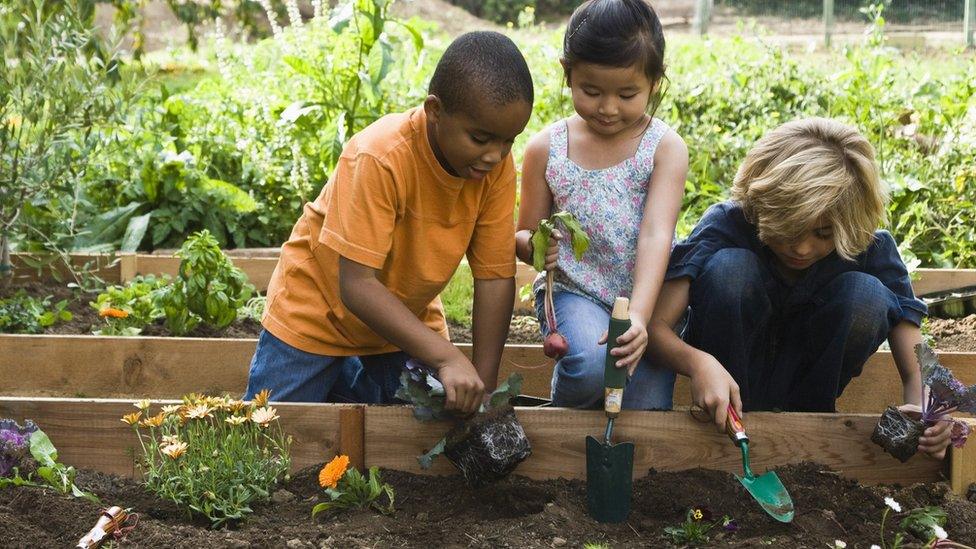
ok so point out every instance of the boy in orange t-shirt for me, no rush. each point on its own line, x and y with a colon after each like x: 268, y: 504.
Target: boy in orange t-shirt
x: 355, y: 292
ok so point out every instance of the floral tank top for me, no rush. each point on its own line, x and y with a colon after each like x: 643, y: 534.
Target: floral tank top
x: 609, y: 204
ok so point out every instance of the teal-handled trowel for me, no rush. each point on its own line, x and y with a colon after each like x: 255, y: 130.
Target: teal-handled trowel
x: 610, y: 467
x: 766, y: 489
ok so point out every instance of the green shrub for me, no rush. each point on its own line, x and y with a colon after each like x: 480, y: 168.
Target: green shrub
x: 128, y: 309
x: 23, y: 314
x: 209, y: 288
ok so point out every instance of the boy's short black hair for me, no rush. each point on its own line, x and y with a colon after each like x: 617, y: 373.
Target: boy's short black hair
x: 481, y: 64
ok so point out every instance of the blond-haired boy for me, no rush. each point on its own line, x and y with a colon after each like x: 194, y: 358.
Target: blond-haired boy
x: 790, y: 287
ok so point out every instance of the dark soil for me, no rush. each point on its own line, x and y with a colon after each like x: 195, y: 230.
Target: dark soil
x: 516, y: 512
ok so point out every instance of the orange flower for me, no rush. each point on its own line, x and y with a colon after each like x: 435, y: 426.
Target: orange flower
x: 261, y: 399
x: 132, y: 418
x: 330, y: 474
x: 112, y: 312
x: 154, y: 421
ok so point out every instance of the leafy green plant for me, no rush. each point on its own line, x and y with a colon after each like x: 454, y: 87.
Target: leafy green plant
x: 458, y: 296
x: 212, y: 456
x: 28, y: 458
x: 696, y: 527
x: 24, y: 314
x: 209, y: 288
x: 128, y: 309
x: 349, y: 489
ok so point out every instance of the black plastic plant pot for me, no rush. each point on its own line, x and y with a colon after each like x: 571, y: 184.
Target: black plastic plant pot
x: 897, y: 433
x: 488, y: 447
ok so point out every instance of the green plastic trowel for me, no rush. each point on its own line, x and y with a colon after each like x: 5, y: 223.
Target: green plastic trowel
x: 766, y: 489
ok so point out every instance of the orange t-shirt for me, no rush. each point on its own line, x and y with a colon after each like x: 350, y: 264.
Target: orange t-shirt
x: 391, y: 206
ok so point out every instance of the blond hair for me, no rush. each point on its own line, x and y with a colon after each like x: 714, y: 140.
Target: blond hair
x: 810, y: 172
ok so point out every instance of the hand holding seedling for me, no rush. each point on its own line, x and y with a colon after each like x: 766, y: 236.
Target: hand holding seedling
x: 552, y: 252
x: 713, y: 389
x: 935, y: 440
x: 463, y: 389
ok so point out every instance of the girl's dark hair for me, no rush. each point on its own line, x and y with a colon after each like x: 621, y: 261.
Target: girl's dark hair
x: 618, y: 33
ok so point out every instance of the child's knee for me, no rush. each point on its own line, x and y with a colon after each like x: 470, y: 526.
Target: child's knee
x: 578, y: 379
x: 861, y: 295
x: 732, y: 276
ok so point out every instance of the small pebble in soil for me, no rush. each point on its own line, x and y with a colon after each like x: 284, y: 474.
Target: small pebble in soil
x: 295, y: 544
x: 558, y: 542
x: 282, y: 496
x: 423, y: 515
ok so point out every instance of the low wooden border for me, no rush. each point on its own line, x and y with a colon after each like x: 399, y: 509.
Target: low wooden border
x: 89, y: 432
x: 669, y: 441
x: 163, y: 367
x: 169, y: 367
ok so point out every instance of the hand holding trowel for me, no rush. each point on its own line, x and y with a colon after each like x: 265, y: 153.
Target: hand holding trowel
x: 610, y: 467
x: 766, y: 489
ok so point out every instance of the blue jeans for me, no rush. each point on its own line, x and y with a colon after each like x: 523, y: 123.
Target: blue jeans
x: 577, y: 381
x: 293, y: 375
x: 791, y: 348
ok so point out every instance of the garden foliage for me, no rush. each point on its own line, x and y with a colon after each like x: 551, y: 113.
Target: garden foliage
x: 208, y: 289
x: 347, y: 488
x: 25, y: 314
x: 212, y: 456
x: 28, y: 458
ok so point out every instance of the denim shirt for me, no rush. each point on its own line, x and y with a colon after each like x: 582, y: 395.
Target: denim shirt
x: 724, y: 226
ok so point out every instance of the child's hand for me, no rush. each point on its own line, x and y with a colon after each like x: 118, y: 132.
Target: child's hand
x: 630, y: 346
x: 713, y: 389
x: 463, y: 388
x: 552, y: 252
x: 935, y: 439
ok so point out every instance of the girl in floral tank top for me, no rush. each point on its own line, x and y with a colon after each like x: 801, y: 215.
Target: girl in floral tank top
x: 621, y: 173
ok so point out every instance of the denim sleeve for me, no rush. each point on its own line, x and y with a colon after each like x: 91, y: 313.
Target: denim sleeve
x: 715, y: 231
x: 884, y: 262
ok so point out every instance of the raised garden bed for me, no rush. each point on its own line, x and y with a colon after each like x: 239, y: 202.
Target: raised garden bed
x: 832, y: 497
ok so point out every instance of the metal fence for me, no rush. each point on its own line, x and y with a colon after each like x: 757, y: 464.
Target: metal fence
x: 945, y: 20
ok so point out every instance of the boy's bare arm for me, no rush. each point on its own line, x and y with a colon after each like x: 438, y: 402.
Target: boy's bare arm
x: 386, y: 315
x: 902, y: 340
x: 712, y: 387
x: 491, y: 316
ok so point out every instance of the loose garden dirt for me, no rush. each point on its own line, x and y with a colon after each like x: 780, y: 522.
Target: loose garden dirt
x: 516, y: 512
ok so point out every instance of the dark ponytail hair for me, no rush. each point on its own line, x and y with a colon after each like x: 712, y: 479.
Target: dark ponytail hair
x: 617, y: 33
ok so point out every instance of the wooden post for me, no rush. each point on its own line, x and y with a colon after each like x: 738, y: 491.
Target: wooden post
x: 962, y: 465
x: 828, y: 19
x: 703, y: 13
x: 969, y: 22
x: 352, y: 435
x: 128, y: 267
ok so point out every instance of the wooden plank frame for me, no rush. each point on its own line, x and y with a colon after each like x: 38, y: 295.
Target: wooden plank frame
x: 89, y: 432
x: 169, y: 367
x: 674, y: 441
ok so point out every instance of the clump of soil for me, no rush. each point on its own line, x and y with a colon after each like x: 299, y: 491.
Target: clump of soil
x: 953, y: 334
x: 516, y: 512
